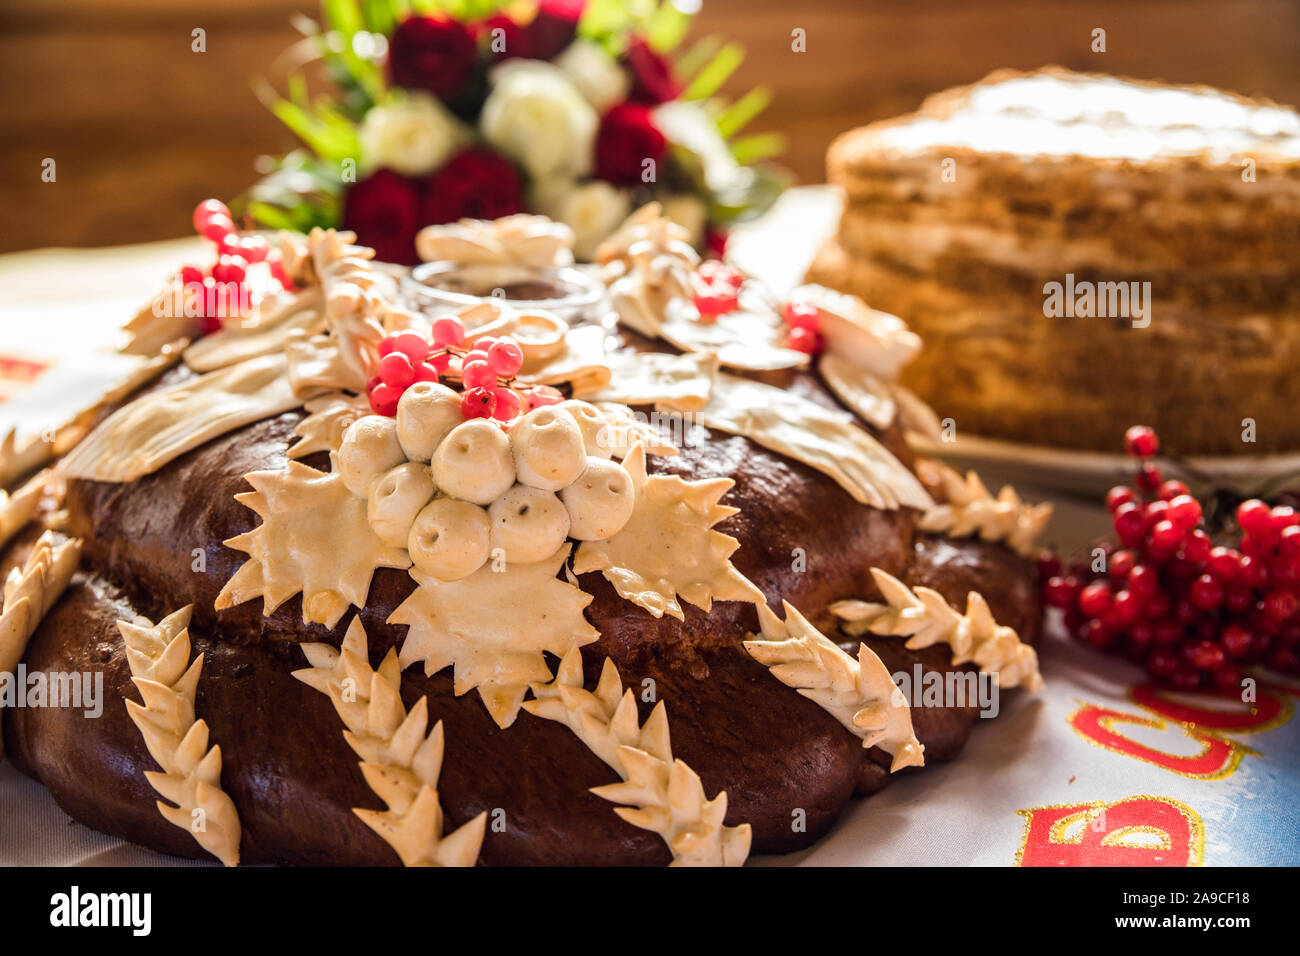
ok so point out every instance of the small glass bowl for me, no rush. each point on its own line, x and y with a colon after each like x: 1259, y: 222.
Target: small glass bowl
x: 572, y: 294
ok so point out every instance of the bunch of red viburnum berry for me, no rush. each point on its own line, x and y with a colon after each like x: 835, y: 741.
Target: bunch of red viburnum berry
x: 1193, y: 609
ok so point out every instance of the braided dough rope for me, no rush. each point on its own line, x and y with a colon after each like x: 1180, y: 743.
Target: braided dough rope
x: 924, y: 614
x: 191, y: 772
x: 860, y: 693
x: 971, y: 510
x: 400, y: 762
x: 659, y: 793
x: 30, y: 593
x: 353, y: 307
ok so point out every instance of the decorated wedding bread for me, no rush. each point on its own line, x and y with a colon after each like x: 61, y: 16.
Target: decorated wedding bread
x: 372, y: 579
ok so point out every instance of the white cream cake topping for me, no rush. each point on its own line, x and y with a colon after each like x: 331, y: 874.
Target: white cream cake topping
x: 659, y: 792
x: 494, y: 627
x: 400, y: 758
x: 827, y: 440
x: 1057, y: 113
x: 923, y: 614
x: 515, y: 240
x: 971, y: 510
x: 158, y: 427
x: 314, y: 538
x: 668, y: 547
x: 191, y: 771
x: 860, y: 694
x: 29, y: 593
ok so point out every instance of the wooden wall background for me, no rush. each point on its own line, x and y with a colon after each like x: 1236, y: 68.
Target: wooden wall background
x: 141, y: 128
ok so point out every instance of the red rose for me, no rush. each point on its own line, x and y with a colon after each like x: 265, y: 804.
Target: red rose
x: 503, y: 38
x: 652, y: 77
x: 553, y: 28
x: 476, y: 183
x: 715, y: 242
x: 383, y: 210
x: 431, y: 53
x: 626, y: 139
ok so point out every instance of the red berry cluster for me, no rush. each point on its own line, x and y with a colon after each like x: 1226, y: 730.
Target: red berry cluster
x: 804, y: 321
x: 716, y: 286
x: 486, y: 370
x: 1191, y: 610
x: 222, y: 285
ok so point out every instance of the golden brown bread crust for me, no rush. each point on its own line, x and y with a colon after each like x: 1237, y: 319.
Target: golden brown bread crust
x: 293, y: 778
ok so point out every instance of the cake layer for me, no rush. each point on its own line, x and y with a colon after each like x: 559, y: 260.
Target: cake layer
x: 1217, y: 243
x: 1000, y: 367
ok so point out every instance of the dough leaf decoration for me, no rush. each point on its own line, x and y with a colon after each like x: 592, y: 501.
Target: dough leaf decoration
x: 658, y: 793
x: 926, y: 618
x: 494, y: 627
x: 971, y: 511
x: 159, y: 658
x: 859, y: 693
x: 314, y: 538
x: 668, y: 549
x: 401, y: 759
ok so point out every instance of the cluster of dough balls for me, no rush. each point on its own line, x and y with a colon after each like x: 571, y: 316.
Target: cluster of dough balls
x: 457, y: 493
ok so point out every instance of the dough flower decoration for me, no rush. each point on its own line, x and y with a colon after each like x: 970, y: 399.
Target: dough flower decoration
x: 661, y: 290
x: 17, y: 459
x: 668, y: 547
x: 521, y: 239
x: 969, y: 509
x: 659, y: 792
x: 401, y: 758
x: 922, y: 615
x: 859, y: 693
x: 159, y: 658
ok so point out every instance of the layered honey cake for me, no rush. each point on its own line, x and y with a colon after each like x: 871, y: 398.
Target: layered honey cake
x: 1081, y: 252
x: 505, y: 562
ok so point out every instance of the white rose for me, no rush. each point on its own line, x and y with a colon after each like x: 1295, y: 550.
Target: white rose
x: 413, y: 135
x: 592, y: 210
x: 689, y: 212
x: 688, y: 125
x: 596, y: 74
x: 535, y: 116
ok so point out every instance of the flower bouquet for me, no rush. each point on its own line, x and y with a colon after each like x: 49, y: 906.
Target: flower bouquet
x: 478, y: 109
